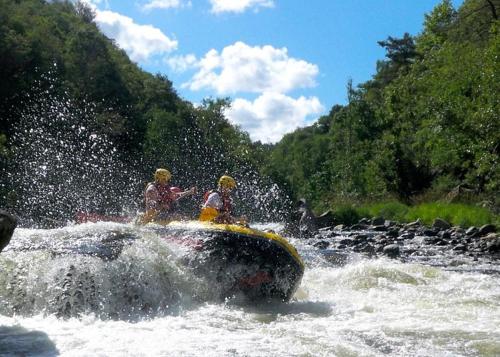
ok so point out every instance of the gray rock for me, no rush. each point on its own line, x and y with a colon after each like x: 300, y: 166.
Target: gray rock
x: 441, y: 224
x: 471, y: 230
x: 415, y: 224
x: 407, y: 235
x: 429, y: 232
x: 7, y: 225
x: 380, y: 228
x: 364, y: 221
x: 486, y: 229
x: 393, y: 233
x: 460, y: 248
x: 378, y: 221
x: 359, y: 227
x: 391, y: 250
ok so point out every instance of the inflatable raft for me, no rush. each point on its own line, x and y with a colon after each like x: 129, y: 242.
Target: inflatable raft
x: 237, y: 260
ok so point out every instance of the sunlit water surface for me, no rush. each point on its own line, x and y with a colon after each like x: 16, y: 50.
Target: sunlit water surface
x: 364, y: 307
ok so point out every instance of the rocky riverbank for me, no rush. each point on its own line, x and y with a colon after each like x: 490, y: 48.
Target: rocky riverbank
x: 439, y: 244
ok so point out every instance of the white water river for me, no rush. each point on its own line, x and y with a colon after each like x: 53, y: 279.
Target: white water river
x: 365, y: 307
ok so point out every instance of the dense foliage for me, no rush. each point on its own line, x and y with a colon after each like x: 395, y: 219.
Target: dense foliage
x: 426, y: 123
x: 60, y: 75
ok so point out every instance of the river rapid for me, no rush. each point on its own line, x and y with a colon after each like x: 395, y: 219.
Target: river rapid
x: 107, y: 289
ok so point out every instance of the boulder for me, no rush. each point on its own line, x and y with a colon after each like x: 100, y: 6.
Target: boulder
x: 391, y: 250
x: 378, y: 221
x: 441, y: 224
x: 486, y: 229
x: 7, y: 225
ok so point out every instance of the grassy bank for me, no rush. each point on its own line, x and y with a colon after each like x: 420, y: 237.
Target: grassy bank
x: 458, y: 214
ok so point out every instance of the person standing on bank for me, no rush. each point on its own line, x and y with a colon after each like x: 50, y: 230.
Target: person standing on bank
x: 161, y: 198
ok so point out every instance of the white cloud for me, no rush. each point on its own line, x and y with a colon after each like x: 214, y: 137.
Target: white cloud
x: 165, y: 4
x: 238, y: 6
x: 272, y: 115
x: 181, y: 63
x: 139, y: 41
x: 241, y: 68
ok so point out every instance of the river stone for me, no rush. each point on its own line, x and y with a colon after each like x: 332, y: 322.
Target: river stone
x: 378, y: 221
x: 7, y: 225
x: 364, y: 221
x: 441, y: 224
x: 493, y: 246
x: 471, y: 230
x: 487, y: 228
x: 429, y: 232
x: 322, y: 244
x: 407, y: 235
x: 445, y: 234
x: 393, y: 233
x: 359, y: 227
x: 415, y: 224
x: 460, y: 248
x: 391, y: 250
x: 379, y: 228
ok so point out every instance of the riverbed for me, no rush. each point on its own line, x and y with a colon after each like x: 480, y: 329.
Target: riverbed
x: 355, y: 305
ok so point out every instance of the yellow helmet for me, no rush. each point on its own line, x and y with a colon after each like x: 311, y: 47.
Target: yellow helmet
x: 162, y: 175
x: 227, y: 182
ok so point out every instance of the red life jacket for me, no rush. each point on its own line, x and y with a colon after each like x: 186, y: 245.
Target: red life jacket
x: 166, y: 195
x: 226, y: 201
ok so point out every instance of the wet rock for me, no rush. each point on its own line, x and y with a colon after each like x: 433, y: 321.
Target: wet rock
x: 432, y: 240
x: 346, y: 242
x: 378, y: 221
x: 7, y: 225
x: 379, y: 228
x: 388, y: 223
x: 471, y: 231
x: 490, y: 243
x: 368, y: 248
x: 339, y: 227
x: 429, y: 232
x: 415, y: 224
x: 460, y: 248
x: 391, y: 250
x: 407, y: 235
x: 335, y: 257
x: 364, y: 221
x: 486, y: 229
x: 359, y: 227
x: 440, y: 224
x: 393, y: 233
x: 445, y: 234
x: 322, y: 244
x: 358, y: 238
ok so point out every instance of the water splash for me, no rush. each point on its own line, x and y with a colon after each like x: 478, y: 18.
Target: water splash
x: 63, y: 164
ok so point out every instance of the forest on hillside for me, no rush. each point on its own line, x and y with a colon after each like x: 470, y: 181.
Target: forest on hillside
x: 82, y: 127
x: 425, y: 125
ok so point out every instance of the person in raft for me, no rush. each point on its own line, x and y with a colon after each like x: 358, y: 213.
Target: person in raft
x: 217, y: 206
x: 161, y: 198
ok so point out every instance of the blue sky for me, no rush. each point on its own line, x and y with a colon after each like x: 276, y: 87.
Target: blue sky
x: 283, y: 63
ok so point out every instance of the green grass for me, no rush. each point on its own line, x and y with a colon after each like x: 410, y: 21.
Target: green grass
x: 458, y: 214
